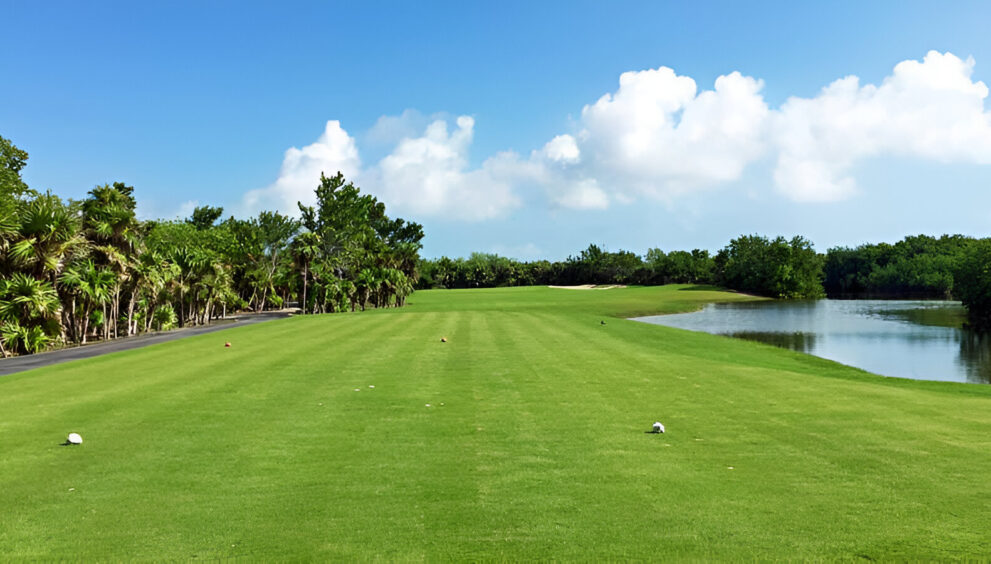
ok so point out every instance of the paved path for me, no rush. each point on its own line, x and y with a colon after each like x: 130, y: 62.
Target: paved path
x: 29, y: 361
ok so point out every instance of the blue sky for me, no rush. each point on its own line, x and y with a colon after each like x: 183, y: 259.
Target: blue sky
x: 486, y: 122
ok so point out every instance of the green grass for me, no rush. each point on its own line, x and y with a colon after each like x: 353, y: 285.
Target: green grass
x: 533, y: 447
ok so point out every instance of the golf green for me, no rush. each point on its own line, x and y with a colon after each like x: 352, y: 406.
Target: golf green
x: 364, y: 437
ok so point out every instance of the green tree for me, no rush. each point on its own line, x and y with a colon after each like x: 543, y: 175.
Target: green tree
x: 778, y: 268
x: 91, y: 259
x: 275, y: 231
x: 355, y: 243
x: 48, y: 234
x: 305, y: 248
x: 919, y: 266
x: 204, y: 217
x: 91, y: 286
x: 12, y: 161
x: 12, y: 188
x: 111, y: 226
x: 972, y: 282
x: 28, y: 314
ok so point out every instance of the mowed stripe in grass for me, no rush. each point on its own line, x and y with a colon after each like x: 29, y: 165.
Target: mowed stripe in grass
x: 532, y: 446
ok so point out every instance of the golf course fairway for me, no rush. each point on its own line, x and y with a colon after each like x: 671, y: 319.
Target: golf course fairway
x: 533, y: 445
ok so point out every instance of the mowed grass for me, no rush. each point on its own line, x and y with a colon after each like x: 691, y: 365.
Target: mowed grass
x: 533, y: 446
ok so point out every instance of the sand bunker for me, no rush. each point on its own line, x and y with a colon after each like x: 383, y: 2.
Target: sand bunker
x: 590, y: 287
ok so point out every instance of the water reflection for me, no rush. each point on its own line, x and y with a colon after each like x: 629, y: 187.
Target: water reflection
x: 975, y: 356
x: 802, y: 342
x: 923, y: 340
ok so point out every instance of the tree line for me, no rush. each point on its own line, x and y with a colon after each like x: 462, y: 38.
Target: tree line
x: 779, y: 267
x: 74, y: 271
x: 921, y: 266
x: 916, y: 267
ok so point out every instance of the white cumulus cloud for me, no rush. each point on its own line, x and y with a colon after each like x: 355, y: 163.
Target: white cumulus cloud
x: 583, y: 195
x: 556, y: 167
x: 562, y: 149
x: 656, y: 136
x: 334, y: 151
x: 659, y: 136
x: 929, y: 109
x: 427, y: 176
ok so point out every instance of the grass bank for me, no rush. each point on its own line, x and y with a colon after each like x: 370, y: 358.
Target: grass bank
x: 532, y: 446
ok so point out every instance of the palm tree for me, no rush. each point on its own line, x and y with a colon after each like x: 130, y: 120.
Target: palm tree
x: 109, y: 221
x: 365, y: 283
x: 9, y: 222
x: 191, y: 262
x: 398, y: 287
x: 29, y: 310
x: 108, y: 216
x: 214, y: 286
x: 48, y: 235
x: 305, y: 247
x: 31, y: 339
x: 152, y: 275
x: 77, y: 262
x: 120, y: 264
x: 93, y: 286
x: 273, y: 231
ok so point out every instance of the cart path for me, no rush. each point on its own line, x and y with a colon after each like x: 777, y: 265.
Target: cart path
x: 31, y: 361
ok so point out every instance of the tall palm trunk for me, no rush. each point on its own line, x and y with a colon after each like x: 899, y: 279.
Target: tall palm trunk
x: 132, y: 327
x: 149, y: 315
x: 305, y: 265
x: 116, y: 309
x: 85, y: 324
x: 73, y: 322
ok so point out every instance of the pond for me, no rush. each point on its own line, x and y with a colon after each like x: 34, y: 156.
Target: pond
x: 923, y: 340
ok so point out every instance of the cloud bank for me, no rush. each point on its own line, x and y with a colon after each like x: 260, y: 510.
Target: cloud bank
x: 928, y: 110
x: 658, y: 136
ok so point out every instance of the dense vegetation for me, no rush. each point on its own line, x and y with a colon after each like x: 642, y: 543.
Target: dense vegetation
x: 948, y: 267
x: 74, y: 271
x: 921, y: 266
x: 916, y: 267
x: 973, y: 282
x: 777, y: 268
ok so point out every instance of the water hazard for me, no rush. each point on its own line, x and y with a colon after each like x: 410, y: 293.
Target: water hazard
x: 923, y: 340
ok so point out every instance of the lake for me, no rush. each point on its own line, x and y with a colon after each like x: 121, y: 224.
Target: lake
x: 923, y: 340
